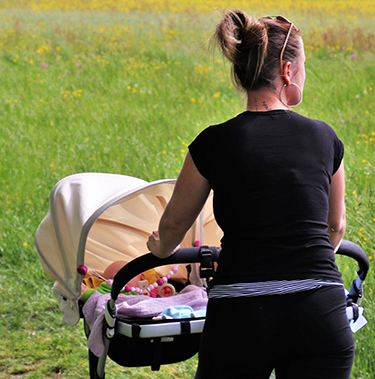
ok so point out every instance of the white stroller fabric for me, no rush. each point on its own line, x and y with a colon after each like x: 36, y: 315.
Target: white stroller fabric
x: 95, y: 219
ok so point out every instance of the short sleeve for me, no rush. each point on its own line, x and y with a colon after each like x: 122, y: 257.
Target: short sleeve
x: 199, y: 151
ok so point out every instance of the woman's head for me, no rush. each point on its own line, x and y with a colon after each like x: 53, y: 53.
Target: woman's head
x: 259, y: 48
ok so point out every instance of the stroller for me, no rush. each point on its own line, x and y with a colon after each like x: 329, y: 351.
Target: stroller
x: 97, y: 219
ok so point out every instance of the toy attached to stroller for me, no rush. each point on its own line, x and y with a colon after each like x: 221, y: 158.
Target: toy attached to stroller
x: 97, y: 219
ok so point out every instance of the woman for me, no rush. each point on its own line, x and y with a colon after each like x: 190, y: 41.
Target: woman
x: 277, y: 298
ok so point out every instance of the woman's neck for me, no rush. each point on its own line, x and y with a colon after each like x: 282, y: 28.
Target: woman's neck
x: 263, y: 101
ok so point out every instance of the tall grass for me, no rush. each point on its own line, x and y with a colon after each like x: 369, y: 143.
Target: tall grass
x: 125, y: 93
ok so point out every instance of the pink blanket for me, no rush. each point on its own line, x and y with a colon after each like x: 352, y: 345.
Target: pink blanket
x: 135, y: 306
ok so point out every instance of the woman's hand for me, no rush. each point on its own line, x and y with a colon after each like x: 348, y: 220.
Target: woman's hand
x: 153, y: 243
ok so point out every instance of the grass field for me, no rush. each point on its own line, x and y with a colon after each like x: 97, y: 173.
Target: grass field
x: 123, y: 87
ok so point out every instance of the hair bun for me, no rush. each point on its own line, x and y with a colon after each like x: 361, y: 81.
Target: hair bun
x: 238, y: 31
x: 240, y: 24
x: 253, y: 47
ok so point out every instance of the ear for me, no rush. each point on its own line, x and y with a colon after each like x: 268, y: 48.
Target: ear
x: 142, y: 276
x: 287, y: 73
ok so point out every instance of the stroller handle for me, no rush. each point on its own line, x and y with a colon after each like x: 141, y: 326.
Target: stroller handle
x: 199, y: 255
x: 352, y: 250
x: 148, y: 261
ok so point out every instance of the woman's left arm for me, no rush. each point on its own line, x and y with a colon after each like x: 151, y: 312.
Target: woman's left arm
x: 188, y: 198
x: 337, y: 215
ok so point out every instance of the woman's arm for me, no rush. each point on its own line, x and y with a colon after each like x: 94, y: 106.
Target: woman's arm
x: 337, y: 215
x: 188, y: 198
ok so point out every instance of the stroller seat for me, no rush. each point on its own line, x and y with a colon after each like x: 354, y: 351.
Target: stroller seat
x: 178, y: 314
x: 146, y: 341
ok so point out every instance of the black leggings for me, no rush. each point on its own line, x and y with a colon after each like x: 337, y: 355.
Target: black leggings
x: 304, y: 335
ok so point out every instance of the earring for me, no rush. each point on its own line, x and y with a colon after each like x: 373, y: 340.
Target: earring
x: 297, y: 102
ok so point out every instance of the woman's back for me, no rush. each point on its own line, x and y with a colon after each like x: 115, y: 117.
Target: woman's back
x: 270, y: 172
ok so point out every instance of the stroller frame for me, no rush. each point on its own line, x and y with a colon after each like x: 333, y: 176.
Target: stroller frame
x: 189, y: 328
x: 95, y: 219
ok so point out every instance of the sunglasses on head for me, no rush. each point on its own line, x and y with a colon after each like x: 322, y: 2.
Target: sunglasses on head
x: 283, y: 19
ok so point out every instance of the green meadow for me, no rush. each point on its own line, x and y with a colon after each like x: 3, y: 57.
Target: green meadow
x: 126, y: 93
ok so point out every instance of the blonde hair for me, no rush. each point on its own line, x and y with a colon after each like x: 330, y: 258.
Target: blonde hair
x: 253, y: 47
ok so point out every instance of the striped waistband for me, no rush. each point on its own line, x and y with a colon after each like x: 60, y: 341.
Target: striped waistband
x: 276, y: 287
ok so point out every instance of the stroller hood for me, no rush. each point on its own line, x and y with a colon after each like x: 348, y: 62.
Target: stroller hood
x: 95, y: 219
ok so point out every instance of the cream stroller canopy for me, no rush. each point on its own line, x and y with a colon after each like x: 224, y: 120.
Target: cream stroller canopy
x: 95, y: 219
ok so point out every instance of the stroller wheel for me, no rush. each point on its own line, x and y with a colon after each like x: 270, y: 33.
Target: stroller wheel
x: 93, y: 365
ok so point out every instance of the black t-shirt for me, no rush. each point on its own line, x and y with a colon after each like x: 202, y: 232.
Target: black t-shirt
x: 270, y: 173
